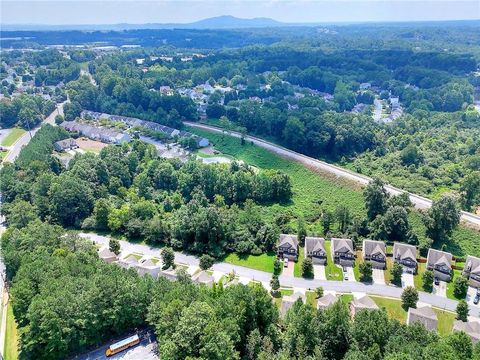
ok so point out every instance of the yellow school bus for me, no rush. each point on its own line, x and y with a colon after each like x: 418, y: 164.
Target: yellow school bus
x: 122, y: 345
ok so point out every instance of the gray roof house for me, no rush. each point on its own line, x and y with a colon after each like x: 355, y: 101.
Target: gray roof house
x: 289, y: 300
x: 343, y: 252
x: 64, y: 145
x: 472, y: 270
x: 106, y: 255
x: 288, y: 246
x: 148, y: 266
x: 326, y: 301
x: 315, y: 249
x: 440, y: 263
x: 203, y: 277
x: 405, y: 255
x: 128, y: 262
x: 375, y: 252
x: 424, y: 315
x: 471, y: 328
x: 363, y: 303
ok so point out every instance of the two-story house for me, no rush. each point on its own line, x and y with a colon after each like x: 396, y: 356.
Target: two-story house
x: 440, y: 263
x: 472, y: 271
x: 405, y: 255
x: 315, y: 249
x: 375, y: 252
x: 343, y: 252
x: 288, y: 247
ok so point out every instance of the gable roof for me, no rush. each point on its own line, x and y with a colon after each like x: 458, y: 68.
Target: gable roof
x: 326, y: 301
x: 289, y: 300
x: 471, y: 328
x: 404, y: 251
x: 203, y: 277
x: 286, y: 240
x: 105, y: 252
x: 472, y: 265
x: 314, y: 244
x: 342, y: 245
x: 437, y: 257
x: 424, y: 315
x: 373, y: 247
x: 364, y: 302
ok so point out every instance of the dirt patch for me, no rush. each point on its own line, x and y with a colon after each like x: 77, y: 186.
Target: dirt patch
x: 90, y: 145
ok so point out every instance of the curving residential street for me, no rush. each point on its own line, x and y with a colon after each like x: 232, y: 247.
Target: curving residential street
x: 420, y: 202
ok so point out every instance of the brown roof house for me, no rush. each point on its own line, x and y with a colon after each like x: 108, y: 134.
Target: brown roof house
x: 405, y: 255
x: 106, y: 255
x: 471, y: 328
x: 375, y: 252
x: 472, y: 271
x: 315, y: 249
x: 440, y: 263
x: 326, y: 301
x: 288, y: 246
x: 363, y: 303
x: 289, y: 300
x: 424, y: 315
x: 343, y: 252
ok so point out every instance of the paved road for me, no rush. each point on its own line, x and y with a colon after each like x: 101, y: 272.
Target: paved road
x: 290, y: 281
x: 420, y: 202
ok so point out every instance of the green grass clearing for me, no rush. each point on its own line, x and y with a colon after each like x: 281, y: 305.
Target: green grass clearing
x: 13, y: 136
x: 297, y: 269
x: 450, y: 285
x: 332, y: 271
x: 262, y: 262
x: 11, y: 336
x: 417, y: 279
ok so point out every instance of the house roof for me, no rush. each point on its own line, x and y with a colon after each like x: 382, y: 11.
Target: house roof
x: 326, y: 301
x: 289, y: 300
x: 287, y: 240
x: 364, y: 302
x: 437, y: 257
x: 105, y: 253
x: 314, y: 244
x: 342, y: 245
x: 404, y: 251
x: 424, y: 315
x: 373, y: 247
x: 203, y: 277
x: 65, y: 144
x: 147, y: 263
x: 472, y: 265
x: 471, y: 328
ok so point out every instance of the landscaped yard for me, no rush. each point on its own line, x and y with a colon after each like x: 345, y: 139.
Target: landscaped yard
x: 13, y: 136
x: 450, y: 285
x: 262, y: 262
x: 417, y: 279
x: 332, y: 271
x: 356, y: 267
x: 11, y: 339
x: 297, y: 270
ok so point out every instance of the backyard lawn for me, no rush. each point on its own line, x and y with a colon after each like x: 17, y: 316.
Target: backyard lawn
x: 263, y: 262
x: 332, y: 271
x: 11, y: 340
x: 13, y: 136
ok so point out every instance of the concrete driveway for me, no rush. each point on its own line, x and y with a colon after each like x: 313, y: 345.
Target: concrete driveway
x: 288, y: 271
x: 440, y: 289
x: 378, y: 276
x: 319, y: 272
x: 349, y: 272
x: 471, y: 293
x: 407, y: 280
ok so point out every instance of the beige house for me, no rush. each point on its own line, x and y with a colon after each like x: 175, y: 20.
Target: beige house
x: 363, y: 303
x: 471, y: 328
x: 202, y: 277
x: 472, y: 271
x: 106, y: 255
x: 289, y: 300
x: 424, y: 315
x: 326, y: 301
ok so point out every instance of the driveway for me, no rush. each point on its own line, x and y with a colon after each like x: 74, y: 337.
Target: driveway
x: 319, y: 272
x: 378, y: 276
x: 350, y: 273
x: 288, y: 271
x: 407, y: 280
x: 471, y: 296
x: 440, y: 289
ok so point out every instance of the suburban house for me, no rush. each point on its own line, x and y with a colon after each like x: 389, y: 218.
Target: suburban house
x: 128, y: 262
x: 148, y: 266
x: 375, y: 253
x: 95, y: 133
x: 343, y: 252
x: 64, y: 145
x: 405, y: 255
x: 440, y: 263
x: 424, y: 315
x: 288, y: 247
x: 315, y: 249
x: 204, y: 278
x: 471, y: 328
x: 472, y: 270
x: 289, y: 300
x: 363, y: 303
x: 106, y: 255
x: 326, y: 301
x: 169, y: 274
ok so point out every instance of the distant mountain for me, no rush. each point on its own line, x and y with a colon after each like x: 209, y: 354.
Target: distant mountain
x: 219, y: 22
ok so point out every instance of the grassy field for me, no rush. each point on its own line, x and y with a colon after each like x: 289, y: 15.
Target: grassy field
x: 297, y: 270
x: 262, y: 262
x: 417, y: 279
x: 332, y: 271
x: 13, y: 136
x: 314, y: 191
x: 450, y: 285
x: 11, y: 339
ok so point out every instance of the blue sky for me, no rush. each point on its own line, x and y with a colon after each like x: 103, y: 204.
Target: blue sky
x: 181, y: 11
